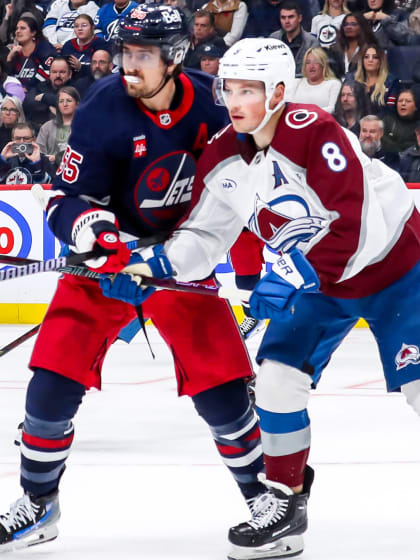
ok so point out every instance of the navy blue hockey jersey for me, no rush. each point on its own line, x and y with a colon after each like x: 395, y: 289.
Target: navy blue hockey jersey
x: 34, y: 68
x: 84, y: 54
x: 138, y: 164
x: 107, y: 20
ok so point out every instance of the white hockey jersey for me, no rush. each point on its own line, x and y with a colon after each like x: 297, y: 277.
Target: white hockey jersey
x: 353, y: 217
x: 59, y: 21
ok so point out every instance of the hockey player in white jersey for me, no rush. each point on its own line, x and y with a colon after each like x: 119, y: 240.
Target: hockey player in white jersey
x: 348, y: 236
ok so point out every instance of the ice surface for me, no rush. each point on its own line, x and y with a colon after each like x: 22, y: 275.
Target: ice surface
x: 144, y: 480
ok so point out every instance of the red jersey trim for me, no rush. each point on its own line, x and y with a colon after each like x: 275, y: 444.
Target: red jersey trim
x: 179, y: 113
x: 78, y: 47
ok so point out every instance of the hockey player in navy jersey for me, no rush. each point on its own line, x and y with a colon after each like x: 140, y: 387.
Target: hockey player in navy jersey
x: 349, y: 237
x: 128, y: 172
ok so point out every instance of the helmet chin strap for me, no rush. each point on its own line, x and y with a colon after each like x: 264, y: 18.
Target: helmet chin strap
x: 163, y: 83
x: 268, y: 114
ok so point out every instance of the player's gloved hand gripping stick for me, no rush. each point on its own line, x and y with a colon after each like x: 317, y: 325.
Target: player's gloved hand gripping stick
x: 97, y: 229
x: 127, y: 285
x: 277, y: 292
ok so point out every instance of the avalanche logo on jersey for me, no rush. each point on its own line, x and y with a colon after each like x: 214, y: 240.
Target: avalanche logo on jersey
x: 408, y: 354
x: 163, y: 191
x: 284, y: 222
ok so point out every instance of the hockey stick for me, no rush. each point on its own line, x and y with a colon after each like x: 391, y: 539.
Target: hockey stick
x: 19, y: 340
x: 222, y: 292
x: 27, y: 267
x: 68, y: 265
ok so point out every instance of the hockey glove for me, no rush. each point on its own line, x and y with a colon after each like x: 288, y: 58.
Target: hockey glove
x: 278, y: 290
x: 126, y: 285
x: 97, y: 230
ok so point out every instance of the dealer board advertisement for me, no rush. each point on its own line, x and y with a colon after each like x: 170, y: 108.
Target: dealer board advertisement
x: 24, y: 232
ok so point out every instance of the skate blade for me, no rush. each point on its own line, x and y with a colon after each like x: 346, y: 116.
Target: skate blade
x: 284, y: 548
x: 40, y: 536
x: 259, y: 328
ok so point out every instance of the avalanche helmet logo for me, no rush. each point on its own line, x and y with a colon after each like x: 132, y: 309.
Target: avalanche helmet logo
x: 408, y: 354
x: 163, y: 191
x: 284, y: 222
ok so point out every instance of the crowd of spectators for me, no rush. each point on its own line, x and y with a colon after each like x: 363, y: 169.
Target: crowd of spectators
x: 357, y: 59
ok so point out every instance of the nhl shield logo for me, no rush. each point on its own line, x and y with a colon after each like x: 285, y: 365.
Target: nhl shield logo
x: 165, y: 119
x: 408, y: 354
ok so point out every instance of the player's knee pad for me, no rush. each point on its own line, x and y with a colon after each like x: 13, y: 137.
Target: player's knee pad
x: 281, y: 388
x: 411, y: 391
x: 52, y: 396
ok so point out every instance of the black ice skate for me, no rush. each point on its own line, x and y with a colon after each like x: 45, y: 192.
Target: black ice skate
x: 250, y: 326
x: 30, y: 521
x: 279, y: 519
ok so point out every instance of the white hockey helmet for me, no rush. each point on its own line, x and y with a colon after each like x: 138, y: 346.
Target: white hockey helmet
x: 264, y: 59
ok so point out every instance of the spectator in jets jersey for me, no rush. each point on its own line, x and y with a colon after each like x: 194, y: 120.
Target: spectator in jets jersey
x: 109, y: 15
x: 30, y: 56
x: 79, y: 50
x: 58, y: 25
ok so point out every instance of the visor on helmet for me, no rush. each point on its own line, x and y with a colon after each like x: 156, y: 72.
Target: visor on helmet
x: 227, y: 92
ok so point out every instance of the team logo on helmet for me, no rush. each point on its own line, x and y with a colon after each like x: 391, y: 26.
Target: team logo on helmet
x: 408, y: 354
x: 138, y: 13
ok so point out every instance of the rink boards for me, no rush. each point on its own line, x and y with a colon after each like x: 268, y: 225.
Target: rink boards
x: 24, y: 232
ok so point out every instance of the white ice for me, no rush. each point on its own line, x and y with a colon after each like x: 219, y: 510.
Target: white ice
x: 144, y: 480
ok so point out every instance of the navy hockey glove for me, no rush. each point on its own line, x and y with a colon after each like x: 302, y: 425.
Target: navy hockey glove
x: 278, y: 290
x: 98, y: 230
x: 126, y: 285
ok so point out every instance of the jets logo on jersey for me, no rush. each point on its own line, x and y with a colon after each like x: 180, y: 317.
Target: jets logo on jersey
x: 18, y: 176
x: 408, y: 354
x: 327, y: 35
x: 164, y: 189
x: 284, y: 222
x: 112, y: 30
x: 140, y: 149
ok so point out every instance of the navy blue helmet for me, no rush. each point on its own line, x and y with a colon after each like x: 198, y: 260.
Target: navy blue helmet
x: 160, y: 25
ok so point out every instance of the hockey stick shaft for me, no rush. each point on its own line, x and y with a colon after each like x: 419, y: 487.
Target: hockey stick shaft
x: 19, y: 340
x: 169, y: 284
x: 27, y: 267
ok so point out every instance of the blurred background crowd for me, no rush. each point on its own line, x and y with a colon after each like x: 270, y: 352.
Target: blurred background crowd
x: 357, y: 59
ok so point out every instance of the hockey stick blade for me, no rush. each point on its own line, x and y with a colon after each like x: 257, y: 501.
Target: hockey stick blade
x: 19, y: 340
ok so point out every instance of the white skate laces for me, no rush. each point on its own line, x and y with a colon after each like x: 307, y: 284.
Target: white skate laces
x: 266, y: 510
x: 22, y: 511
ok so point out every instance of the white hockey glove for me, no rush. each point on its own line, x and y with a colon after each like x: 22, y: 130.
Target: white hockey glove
x: 98, y: 230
